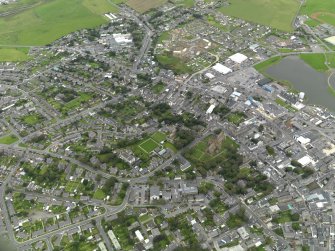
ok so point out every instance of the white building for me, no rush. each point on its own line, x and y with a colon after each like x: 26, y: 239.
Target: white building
x: 222, y: 69
x: 238, y: 58
x: 139, y: 235
x: 114, y: 240
x: 210, y: 109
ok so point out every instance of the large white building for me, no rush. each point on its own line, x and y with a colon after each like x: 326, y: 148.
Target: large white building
x: 114, y: 240
x: 238, y: 58
x: 222, y: 69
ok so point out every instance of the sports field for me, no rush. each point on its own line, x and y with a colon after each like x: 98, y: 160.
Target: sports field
x: 321, y: 11
x: 150, y: 144
x: 278, y: 14
x: 142, y: 6
x: 49, y: 21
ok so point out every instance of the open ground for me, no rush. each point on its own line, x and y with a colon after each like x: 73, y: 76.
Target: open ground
x: 48, y: 21
x: 277, y: 14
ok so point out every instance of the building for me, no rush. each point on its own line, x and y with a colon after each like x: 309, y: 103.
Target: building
x: 222, y: 69
x: 238, y: 58
x: 139, y: 235
x: 114, y: 240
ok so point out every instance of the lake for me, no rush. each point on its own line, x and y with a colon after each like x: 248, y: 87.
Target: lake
x: 305, y: 79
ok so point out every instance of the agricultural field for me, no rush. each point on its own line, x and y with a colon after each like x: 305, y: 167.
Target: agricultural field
x: 184, y: 3
x: 277, y: 14
x: 48, y: 21
x: 319, y: 11
x: 142, y: 6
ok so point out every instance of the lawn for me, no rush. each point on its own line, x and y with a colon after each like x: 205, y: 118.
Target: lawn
x: 7, y: 140
x: 99, y: 195
x: 200, y: 153
x: 49, y: 21
x: 75, y: 103
x: 177, y: 65
x: 158, y: 88
x: 285, y: 105
x: 286, y: 216
x: 142, y: 6
x: 32, y: 119
x: 236, y: 118
x: 158, y: 137
x: 320, y: 11
x: 277, y: 14
x: 261, y: 67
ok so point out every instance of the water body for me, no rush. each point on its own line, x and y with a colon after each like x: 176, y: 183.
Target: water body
x: 305, y: 79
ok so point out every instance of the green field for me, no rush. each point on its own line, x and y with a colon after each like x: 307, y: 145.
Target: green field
x: 14, y: 54
x: 7, y: 140
x: 261, y: 67
x: 277, y: 14
x: 158, y: 137
x: 177, y: 65
x: 49, y: 21
x: 321, y: 11
x: 142, y: 6
x: 184, y: 3
x: 32, y: 119
x: 199, y: 151
x: 318, y: 61
x: 148, y: 145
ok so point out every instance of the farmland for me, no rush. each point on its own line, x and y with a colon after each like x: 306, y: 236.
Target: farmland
x: 277, y: 14
x: 144, y: 5
x: 48, y: 21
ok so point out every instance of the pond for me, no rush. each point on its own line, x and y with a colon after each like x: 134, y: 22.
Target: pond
x: 304, y: 78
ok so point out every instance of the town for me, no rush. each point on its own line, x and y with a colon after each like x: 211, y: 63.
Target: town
x: 167, y: 128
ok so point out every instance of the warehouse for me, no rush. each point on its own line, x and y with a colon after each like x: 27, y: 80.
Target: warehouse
x: 222, y: 69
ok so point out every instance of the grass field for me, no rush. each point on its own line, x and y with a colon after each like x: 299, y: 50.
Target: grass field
x: 200, y: 153
x: 142, y: 6
x: 149, y: 144
x: 277, y: 14
x: 318, y: 61
x: 320, y: 11
x: 184, y: 3
x: 261, y: 67
x: 49, y: 21
x: 7, y: 140
x: 14, y: 54
x: 177, y: 65
x: 32, y: 119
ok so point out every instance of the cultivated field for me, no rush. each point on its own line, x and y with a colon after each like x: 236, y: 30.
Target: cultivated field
x: 51, y: 20
x: 142, y: 6
x: 277, y: 14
